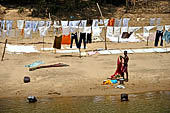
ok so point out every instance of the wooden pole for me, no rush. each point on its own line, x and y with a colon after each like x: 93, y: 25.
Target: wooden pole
x: 4, y: 50
x: 147, y: 40
x: 103, y: 24
x: 43, y: 43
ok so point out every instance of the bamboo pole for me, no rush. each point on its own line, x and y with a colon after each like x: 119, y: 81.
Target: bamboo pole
x: 103, y: 24
x: 4, y: 50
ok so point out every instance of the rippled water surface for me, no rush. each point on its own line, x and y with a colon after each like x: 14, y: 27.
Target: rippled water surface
x: 152, y: 102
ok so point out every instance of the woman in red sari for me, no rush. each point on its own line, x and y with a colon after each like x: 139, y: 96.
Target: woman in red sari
x: 119, y: 67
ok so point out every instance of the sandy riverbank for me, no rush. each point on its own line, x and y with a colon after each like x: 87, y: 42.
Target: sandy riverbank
x: 83, y: 76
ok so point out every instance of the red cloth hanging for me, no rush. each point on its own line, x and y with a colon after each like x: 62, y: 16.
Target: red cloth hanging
x: 66, y: 39
x: 111, y: 22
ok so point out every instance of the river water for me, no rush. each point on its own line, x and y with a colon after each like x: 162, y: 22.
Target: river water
x: 150, y: 102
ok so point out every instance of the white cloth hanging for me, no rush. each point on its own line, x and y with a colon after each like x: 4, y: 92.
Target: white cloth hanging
x: 158, y: 21
x: 20, y: 24
x: 43, y: 31
x: 167, y: 27
x: 73, y: 29
x: 87, y: 29
x: 109, y: 32
x: 152, y: 21
x: 96, y: 31
x: 95, y: 23
x: 66, y: 30
x: 125, y: 22
x: 118, y: 22
x: 64, y: 23
x: 27, y: 24
x: 83, y: 23
x: 35, y: 26
x: 160, y: 28
x: 106, y: 21
x: 41, y: 23
x: 28, y: 32
x: 146, y: 30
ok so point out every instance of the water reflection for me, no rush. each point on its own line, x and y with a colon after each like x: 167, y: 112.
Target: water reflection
x: 152, y: 102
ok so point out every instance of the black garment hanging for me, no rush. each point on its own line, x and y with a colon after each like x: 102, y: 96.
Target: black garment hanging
x: 159, y: 34
x: 82, y: 37
x: 89, y: 39
x: 74, y: 36
x: 57, y: 42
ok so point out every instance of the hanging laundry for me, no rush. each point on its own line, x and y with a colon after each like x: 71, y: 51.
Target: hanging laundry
x: 66, y: 30
x: 48, y: 24
x: 66, y: 39
x: 57, y: 42
x: 87, y: 29
x: 35, y: 26
x: 160, y: 28
x: 74, y: 23
x: 146, y: 30
x: 56, y: 24
x: 64, y: 23
x: 96, y: 31
x: 159, y: 34
x: 167, y: 27
x: 166, y: 37
x: 118, y: 22
x: 82, y: 39
x: 116, y: 31
x: 111, y: 22
x: 152, y: 21
x: 83, y: 23
x: 73, y: 29
x: 20, y: 24
x: 41, y: 23
x: 8, y: 26
x: 74, y: 37
x: 95, y: 23
x: 27, y: 32
x: 125, y: 22
x: 109, y: 32
x: 43, y: 31
x: 27, y: 24
x: 3, y: 24
x: 158, y: 21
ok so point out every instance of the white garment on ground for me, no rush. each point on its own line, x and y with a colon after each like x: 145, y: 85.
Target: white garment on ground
x: 146, y: 30
x: 64, y: 23
x: 152, y: 21
x: 20, y: 24
x: 167, y: 27
x: 83, y: 23
x: 124, y: 29
x: 66, y: 30
x: 160, y: 28
x: 27, y: 32
x: 125, y: 22
x: 133, y: 29
x: 118, y: 22
x: 109, y: 32
x: 41, y: 23
x: 116, y: 31
x: 95, y: 23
